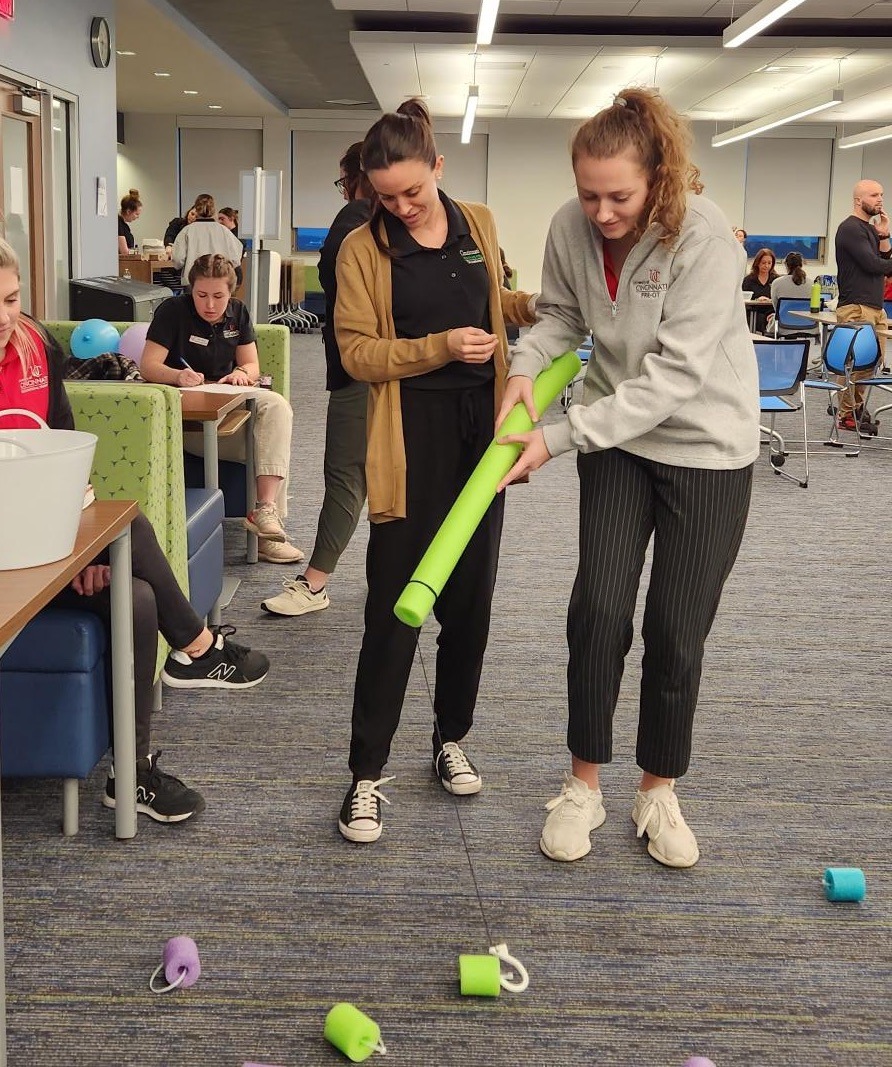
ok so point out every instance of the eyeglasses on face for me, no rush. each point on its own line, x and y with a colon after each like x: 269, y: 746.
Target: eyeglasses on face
x: 341, y: 185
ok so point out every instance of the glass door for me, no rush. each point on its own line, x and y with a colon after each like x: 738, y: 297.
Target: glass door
x: 21, y: 195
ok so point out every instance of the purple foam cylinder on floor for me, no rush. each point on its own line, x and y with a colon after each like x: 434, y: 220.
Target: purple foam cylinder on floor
x: 698, y: 1061
x: 181, y: 955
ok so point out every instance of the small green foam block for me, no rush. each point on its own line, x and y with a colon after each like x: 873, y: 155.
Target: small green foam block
x: 844, y: 883
x: 352, y: 1031
x: 479, y: 976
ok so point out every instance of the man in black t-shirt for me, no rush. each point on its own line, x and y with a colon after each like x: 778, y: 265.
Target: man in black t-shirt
x: 863, y: 259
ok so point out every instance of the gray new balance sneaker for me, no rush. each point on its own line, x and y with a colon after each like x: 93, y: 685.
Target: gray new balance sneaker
x: 572, y: 817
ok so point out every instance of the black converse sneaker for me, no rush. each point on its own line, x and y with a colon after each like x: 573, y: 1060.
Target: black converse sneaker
x: 360, y: 818
x: 158, y: 795
x: 456, y: 772
x: 225, y: 665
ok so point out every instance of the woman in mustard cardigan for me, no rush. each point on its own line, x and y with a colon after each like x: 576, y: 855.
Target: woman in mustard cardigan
x: 420, y: 315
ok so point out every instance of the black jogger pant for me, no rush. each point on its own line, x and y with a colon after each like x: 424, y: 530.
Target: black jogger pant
x: 158, y: 604
x: 697, y: 517
x: 445, y: 432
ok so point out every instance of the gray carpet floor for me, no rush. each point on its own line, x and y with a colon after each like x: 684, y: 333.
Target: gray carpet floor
x: 740, y: 959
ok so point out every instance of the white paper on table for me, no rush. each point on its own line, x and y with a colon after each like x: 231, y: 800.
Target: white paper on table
x: 217, y: 387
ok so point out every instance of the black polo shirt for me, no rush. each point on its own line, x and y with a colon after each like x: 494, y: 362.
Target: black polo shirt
x: 437, y: 289
x: 125, y: 232
x: 207, y: 348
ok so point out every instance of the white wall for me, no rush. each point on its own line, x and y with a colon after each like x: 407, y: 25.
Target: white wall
x: 50, y: 42
x: 147, y: 162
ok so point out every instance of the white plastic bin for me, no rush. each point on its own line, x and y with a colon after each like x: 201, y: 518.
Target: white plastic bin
x: 43, y: 476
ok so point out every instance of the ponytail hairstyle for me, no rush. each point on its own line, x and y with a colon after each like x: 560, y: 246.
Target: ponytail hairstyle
x: 641, y: 121
x: 212, y: 266
x: 397, y: 136
x: 793, y: 263
x: 204, y: 205
x: 131, y: 202
x: 356, y: 184
x: 24, y: 337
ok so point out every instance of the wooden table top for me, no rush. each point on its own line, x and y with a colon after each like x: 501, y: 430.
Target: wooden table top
x: 24, y: 592
x: 201, y: 406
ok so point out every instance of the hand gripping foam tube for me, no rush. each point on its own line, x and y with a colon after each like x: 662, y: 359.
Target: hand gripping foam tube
x: 432, y: 573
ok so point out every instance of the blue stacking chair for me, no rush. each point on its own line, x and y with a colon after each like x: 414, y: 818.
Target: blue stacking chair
x: 850, y: 347
x: 786, y: 324
x: 782, y: 368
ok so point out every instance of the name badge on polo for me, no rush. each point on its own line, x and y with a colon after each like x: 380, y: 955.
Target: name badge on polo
x: 471, y: 255
x: 196, y: 340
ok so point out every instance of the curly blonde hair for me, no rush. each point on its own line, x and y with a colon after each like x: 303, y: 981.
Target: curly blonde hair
x: 640, y: 121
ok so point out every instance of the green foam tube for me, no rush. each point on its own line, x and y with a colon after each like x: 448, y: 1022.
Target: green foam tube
x: 432, y: 573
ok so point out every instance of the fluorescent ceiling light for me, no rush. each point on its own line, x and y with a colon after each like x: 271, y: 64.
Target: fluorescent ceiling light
x: 779, y: 118
x: 489, y: 9
x: 882, y: 133
x: 470, y: 111
x: 190, y: 92
x: 124, y: 52
x: 756, y: 20
x: 215, y: 107
x: 161, y: 74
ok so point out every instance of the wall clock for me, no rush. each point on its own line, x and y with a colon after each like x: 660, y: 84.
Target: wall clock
x: 100, y: 42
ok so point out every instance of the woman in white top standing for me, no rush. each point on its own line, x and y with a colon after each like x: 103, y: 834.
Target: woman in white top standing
x: 204, y: 237
x: 665, y: 441
x: 795, y: 283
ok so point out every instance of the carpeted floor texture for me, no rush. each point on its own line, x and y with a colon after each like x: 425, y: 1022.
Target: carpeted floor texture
x: 740, y: 959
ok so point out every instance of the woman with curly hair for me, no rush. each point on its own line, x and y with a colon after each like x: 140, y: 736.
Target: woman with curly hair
x: 665, y: 441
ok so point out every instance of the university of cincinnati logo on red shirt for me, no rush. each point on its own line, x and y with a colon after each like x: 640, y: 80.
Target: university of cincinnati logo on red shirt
x: 652, y: 288
x: 33, y: 380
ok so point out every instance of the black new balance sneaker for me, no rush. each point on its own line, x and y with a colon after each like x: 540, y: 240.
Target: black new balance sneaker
x: 225, y: 665
x: 158, y: 795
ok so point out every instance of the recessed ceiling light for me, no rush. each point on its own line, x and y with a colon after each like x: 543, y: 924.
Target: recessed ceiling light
x: 124, y: 52
x: 161, y: 74
x: 215, y: 107
x: 191, y: 92
x: 347, y: 102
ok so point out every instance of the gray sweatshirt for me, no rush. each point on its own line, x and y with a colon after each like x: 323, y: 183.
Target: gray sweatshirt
x: 672, y: 376
x: 206, y: 237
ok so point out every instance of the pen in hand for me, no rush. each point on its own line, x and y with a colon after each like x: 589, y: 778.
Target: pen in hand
x: 194, y: 373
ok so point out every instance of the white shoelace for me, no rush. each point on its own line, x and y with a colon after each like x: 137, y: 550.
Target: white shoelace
x: 662, y: 808
x: 363, y: 805
x: 457, y: 762
x: 571, y: 797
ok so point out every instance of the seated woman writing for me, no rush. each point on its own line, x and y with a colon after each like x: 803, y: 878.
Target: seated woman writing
x: 206, y: 336
x: 28, y: 356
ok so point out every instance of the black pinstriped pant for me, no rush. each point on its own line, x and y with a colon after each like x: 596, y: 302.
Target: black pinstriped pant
x: 697, y: 517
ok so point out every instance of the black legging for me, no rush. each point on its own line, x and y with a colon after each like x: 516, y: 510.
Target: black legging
x: 158, y: 605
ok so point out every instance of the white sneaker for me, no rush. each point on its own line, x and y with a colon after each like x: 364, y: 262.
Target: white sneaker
x: 670, y: 839
x: 573, y: 816
x: 297, y: 599
x: 278, y: 551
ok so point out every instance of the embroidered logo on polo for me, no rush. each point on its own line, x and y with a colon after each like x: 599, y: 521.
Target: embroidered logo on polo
x: 650, y: 288
x: 471, y: 255
x: 34, y: 381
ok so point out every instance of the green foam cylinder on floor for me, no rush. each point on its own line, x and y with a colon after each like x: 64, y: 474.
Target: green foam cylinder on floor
x: 417, y: 599
x: 479, y: 976
x: 844, y: 883
x: 352, y: 1031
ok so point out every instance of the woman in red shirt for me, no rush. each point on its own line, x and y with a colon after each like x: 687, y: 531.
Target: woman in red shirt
x: 31, y: 377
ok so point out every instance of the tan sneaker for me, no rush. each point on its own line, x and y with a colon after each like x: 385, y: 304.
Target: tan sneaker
x: 296, y: 599
x: 278, y: 551
x: 573, y: 816
x: 265, y: 522
x: 657, y: 814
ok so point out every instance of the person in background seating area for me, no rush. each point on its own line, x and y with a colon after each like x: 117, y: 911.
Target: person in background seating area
x: 228, y: 217
x: 741, y: 234
x: 795, y: 283
x: 204, y: 237
x: 131, y: 207
x: 863, y: 262
x: 758, y: 283
x: 345, y: 420
x: 175, y: 226
x: 202, y: 658
x: 206, y: 335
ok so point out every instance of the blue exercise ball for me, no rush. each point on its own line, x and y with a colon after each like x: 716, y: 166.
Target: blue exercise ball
x: 93, y: 338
